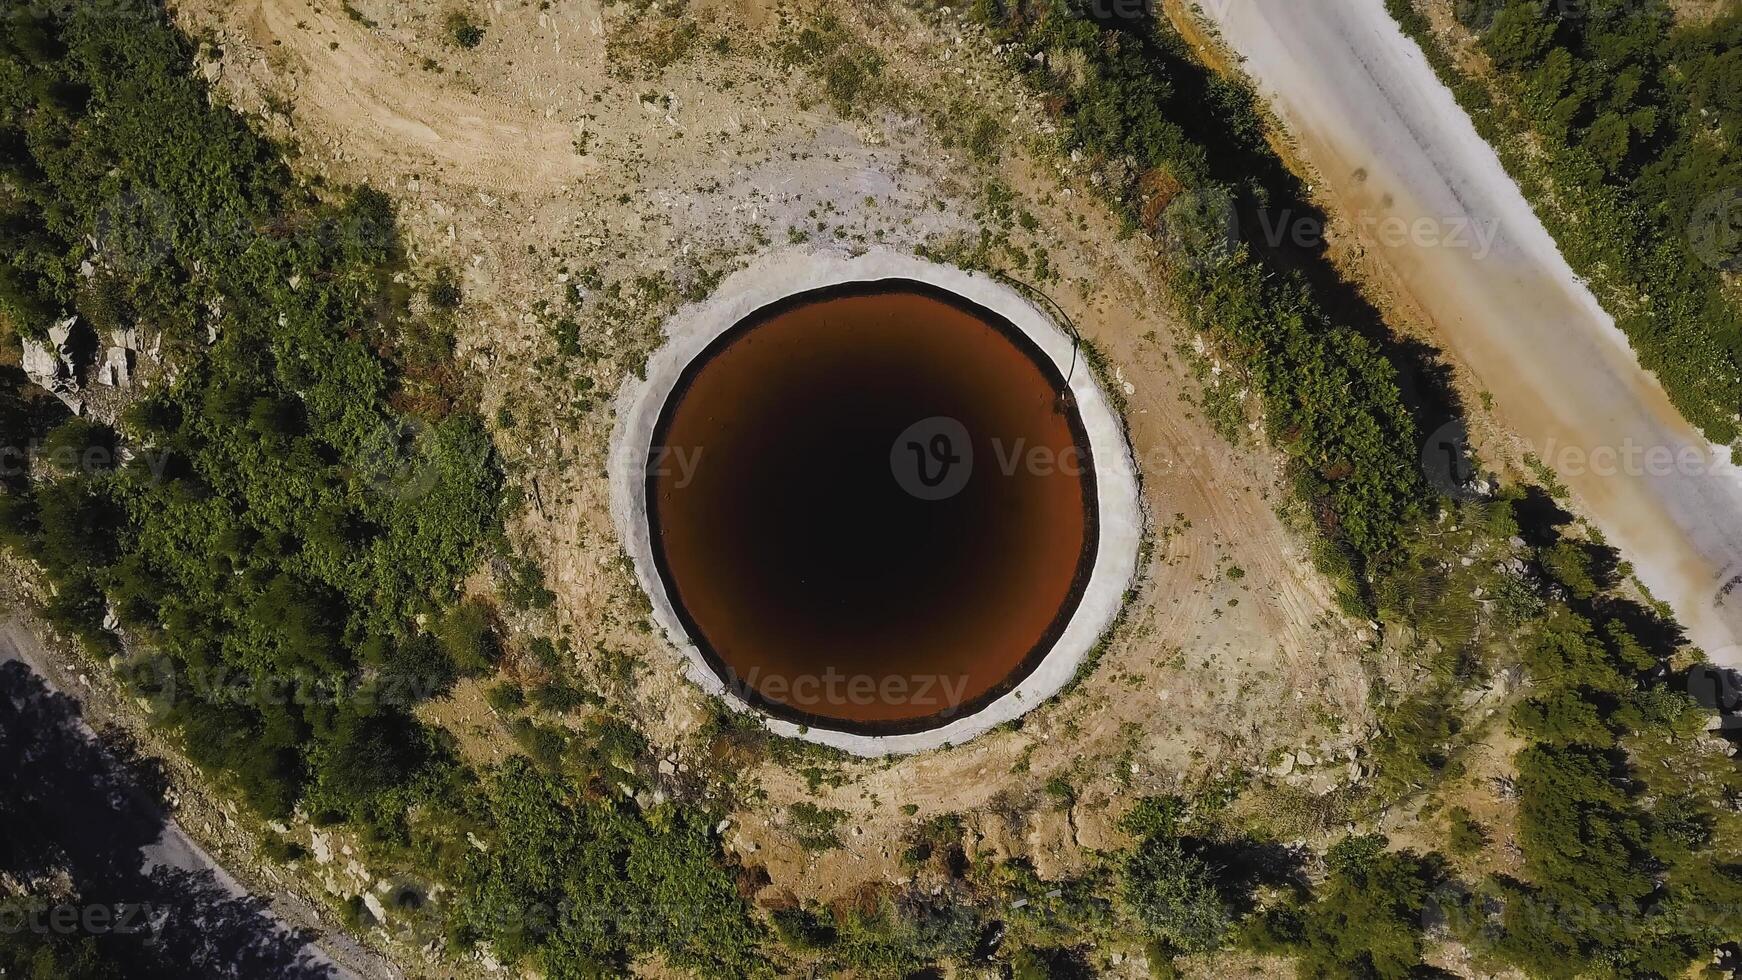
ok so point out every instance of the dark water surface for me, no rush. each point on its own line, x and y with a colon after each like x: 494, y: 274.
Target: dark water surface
x: 871, y: 506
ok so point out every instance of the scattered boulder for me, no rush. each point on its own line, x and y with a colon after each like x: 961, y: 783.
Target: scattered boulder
x: 375, y: 907
x: 53, y: 366
x: 117, y: 368
x: 41, y: 365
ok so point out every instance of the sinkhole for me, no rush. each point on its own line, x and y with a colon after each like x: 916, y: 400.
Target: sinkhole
x: 884, y: 510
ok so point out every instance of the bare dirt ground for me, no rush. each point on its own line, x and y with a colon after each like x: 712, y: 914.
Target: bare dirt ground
x: 607, y: 164
x: 1391, y: 150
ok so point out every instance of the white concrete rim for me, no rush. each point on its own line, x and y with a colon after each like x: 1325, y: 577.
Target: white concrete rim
x: 782, y: 273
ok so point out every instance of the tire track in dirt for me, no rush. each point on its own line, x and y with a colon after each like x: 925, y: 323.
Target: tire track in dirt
x: 356, y: 90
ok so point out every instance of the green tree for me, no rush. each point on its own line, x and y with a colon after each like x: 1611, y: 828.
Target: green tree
x: 1174, y: 896
x: 1520, y: 35
x: 1366, y: 920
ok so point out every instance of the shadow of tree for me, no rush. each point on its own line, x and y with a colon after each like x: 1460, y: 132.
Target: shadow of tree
x: 86, y: 805
x: 1245, y: 865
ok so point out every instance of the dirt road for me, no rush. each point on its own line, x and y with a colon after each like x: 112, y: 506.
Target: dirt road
x: 1404, y: 165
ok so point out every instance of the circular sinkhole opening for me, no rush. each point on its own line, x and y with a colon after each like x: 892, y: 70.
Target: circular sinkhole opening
x: 887, y: 511
x: 875, y: 506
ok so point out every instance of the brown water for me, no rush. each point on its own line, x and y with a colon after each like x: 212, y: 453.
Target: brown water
x: 871, y: 508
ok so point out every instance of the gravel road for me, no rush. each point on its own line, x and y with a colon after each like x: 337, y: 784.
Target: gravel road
x: 1403, y: 162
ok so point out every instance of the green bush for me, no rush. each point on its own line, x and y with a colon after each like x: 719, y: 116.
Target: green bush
x: 1465, y: 835
x: 1367, y: 918
x: 463, y: 32
x: 577, y: 885
x: 1174, y: 896
x: 468, y: 635
x: 506, y: 697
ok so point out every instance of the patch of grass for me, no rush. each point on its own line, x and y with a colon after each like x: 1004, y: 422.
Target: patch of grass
x: 815, y: 827
x: 1464, y: 835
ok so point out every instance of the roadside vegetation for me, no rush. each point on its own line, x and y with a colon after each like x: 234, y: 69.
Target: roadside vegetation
x: 1623, y: 124
x: 1185, y: 160
x: 1472, y: 591
x: 288, y: 533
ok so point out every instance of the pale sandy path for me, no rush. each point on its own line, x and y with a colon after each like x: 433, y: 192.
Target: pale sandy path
x: 1391, y: 142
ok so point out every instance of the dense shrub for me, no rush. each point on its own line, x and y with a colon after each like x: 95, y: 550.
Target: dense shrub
x: 578, y: 884
x: 1367, y: 919
x: 282, y: 526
